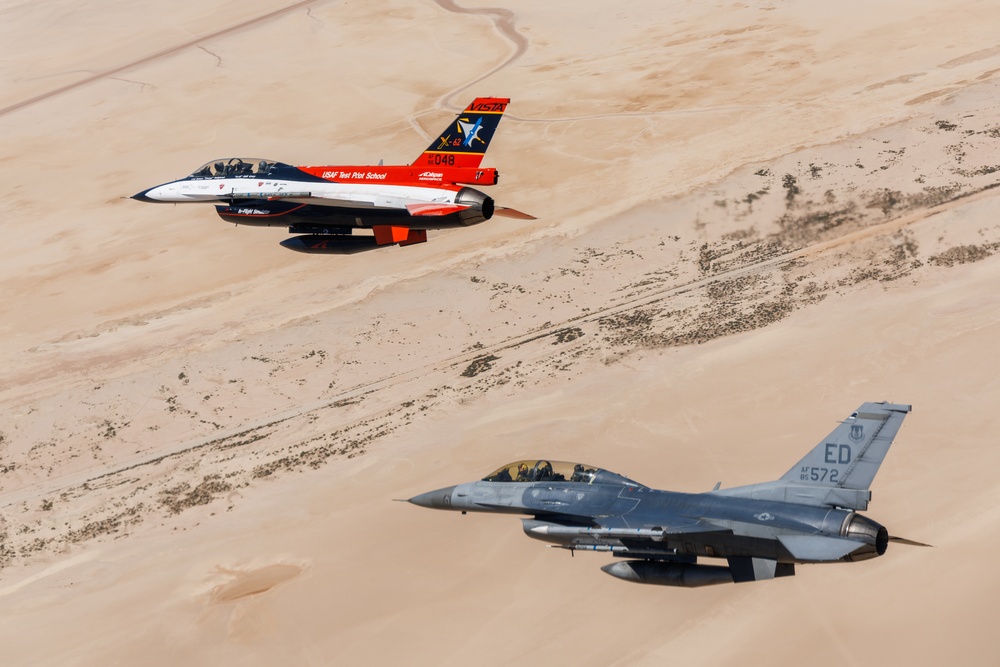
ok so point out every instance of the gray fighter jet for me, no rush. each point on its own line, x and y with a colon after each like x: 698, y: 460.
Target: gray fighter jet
x: 809, y: 515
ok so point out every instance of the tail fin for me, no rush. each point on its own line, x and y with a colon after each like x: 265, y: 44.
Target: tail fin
x: 850, y: 456
x: 839, y: 470
x: 464, y: 142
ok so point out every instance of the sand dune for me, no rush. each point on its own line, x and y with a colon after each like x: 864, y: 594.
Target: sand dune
x: 751, y: 220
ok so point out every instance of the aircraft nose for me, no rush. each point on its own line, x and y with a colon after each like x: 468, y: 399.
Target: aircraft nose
x: 143, y: 196
x: 437, y: 500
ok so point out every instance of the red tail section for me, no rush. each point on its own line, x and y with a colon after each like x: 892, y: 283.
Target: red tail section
x: 464, y: 142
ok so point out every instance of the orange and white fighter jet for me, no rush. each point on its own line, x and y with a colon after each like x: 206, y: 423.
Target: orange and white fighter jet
x: 325, y: 205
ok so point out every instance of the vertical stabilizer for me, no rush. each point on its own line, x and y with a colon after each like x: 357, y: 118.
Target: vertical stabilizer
x: 850, y: 456
x: 837, y: 472
x: 464, y: 142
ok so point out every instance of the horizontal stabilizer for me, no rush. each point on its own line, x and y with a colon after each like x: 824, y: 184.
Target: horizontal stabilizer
x: 816, y: 548
x: 434, y: 209
x: 505, y: 212
x: 912, y: 543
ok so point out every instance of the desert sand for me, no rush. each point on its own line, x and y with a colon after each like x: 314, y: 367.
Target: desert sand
x: 751, y: 219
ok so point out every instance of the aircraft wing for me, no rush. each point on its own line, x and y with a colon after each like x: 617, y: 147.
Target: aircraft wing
x: 432, y: 209
x: 818, y: 548
x: 269, y: 196
x: 303, y: 198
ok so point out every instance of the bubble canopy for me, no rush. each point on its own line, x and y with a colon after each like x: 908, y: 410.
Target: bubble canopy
x: 234, y: 166
x: 545, y: 470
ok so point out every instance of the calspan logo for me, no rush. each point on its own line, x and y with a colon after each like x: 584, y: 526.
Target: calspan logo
x: 431, y: 176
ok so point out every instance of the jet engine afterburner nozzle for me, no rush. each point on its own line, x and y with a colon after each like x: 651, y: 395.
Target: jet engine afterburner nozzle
x: 874, y: 536
x: 481, y: 206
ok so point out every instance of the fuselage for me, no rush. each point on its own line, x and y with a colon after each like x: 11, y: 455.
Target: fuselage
x: 325, y: 205
x: 265, y: 193
x: 563, y: 514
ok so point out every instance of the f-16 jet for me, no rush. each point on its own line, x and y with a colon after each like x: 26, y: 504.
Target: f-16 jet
x: 808, y: 515
x: 325, y: 205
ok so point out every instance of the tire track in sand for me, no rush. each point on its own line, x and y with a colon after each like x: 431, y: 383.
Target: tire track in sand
x: 503, y: 22
x: 154, y: 56
x: 447, y: 364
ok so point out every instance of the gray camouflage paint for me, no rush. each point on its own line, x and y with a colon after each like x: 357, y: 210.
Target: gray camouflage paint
x: 809, y: 515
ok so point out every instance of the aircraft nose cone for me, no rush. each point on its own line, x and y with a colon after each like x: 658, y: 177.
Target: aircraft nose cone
x: 437, y: 500
x: 142, y: 196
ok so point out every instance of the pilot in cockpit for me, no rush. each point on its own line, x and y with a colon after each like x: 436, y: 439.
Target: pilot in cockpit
x: 522, y: 472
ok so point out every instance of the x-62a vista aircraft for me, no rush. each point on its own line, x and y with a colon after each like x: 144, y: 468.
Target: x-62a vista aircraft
x: 325, y: 205
x: 809, y: 515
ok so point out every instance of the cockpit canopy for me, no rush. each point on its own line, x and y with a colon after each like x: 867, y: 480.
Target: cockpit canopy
x: 234, y: 166
x: 543, y: 470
